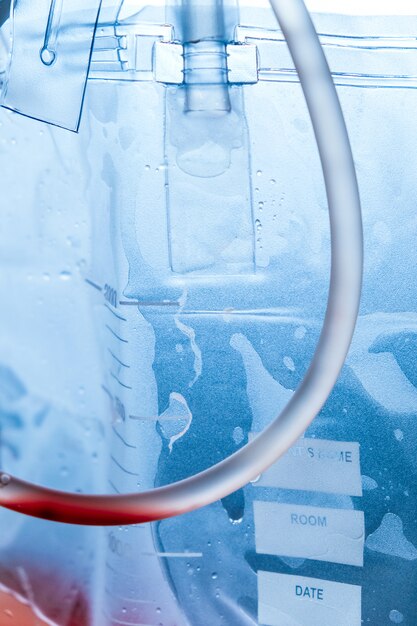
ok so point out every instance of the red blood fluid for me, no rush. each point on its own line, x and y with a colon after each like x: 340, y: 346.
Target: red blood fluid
x: 17, y: 609
x: 14, y: 611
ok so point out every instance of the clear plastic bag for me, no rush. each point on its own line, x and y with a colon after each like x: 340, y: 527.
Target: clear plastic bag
x: 183, y: 333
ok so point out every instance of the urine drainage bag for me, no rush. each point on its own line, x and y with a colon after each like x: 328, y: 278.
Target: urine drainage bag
x: 163, y: 288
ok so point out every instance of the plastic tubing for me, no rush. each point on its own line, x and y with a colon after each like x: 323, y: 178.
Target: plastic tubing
x: 341, y: 314
x: 205, y: 57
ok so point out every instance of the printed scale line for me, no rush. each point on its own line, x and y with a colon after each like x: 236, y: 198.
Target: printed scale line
x: 119, y: 317
x: 116, y: 358
x: 116, y: 462
x: 113, y: 375
x: 122, y: 439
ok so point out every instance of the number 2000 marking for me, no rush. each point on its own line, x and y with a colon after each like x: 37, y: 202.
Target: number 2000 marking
x: 110, y: 295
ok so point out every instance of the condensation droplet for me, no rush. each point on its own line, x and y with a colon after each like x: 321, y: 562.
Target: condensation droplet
x: 396, y: 617
x: 65, y: 275
x: 398, y: 434
x: 289, y: 363
x: 300, y: 332
x: 238, y: 435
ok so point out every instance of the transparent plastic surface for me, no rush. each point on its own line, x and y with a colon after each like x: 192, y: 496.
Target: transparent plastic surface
x: 181, y: 365
x: 52, y: 41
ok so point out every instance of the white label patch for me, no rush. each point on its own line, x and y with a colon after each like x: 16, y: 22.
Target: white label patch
x: 322, y: 534
x: 298, y: 601
x: 317, y: 465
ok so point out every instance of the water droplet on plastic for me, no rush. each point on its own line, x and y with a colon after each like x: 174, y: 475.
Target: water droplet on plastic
x: 398, y: 434
x: 258, y: 225
x: 46, y: 277
x: 273, y: 181
x: 396, y: 617
x: 65, y: 275
x: 147, y: 168
x: 289, y: 363
x: 259, y: 173
x: 214, y: 575
x: 300, y: 332
x: 238, y: 435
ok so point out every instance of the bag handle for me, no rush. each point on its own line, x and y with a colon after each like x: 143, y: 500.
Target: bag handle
x: 340, y: 319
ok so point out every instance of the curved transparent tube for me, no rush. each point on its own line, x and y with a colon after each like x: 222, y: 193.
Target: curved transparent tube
x: 342, y: 309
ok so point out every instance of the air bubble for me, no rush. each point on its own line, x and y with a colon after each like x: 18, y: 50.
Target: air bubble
x: 4, y: 480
